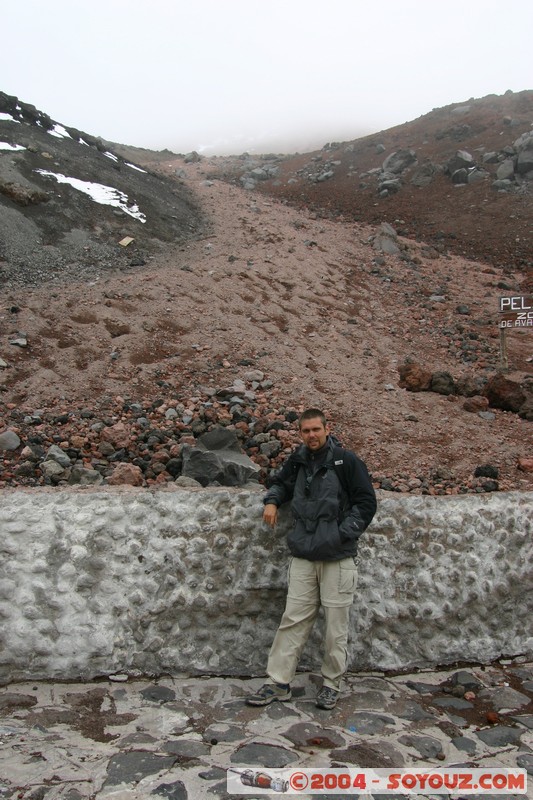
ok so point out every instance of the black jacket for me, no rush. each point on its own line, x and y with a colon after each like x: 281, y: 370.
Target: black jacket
x: 331, y: 504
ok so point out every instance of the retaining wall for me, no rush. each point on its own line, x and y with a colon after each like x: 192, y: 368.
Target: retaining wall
x: 94, y: 582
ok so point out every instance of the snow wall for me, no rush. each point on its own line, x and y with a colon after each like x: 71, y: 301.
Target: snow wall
x: 99, y: 581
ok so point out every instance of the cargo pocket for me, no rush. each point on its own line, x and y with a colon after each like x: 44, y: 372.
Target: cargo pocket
x: 347, y: 576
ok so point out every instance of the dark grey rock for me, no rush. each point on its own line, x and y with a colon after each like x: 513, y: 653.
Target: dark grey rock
x: 265, y: 755
x: 9, y: 440
x: 525, y: 761
x: 427, y: 746
x: 499, y: 736
x: 190, y: 748
x: 174, y: 791
x: 452, y: 702
x: 368, y: 723
x: 465, y: 744
x: 71, y: 794
x: 505, y: 697
x: 505, y: 171
x: 524, y: 673
x: 460, y: 176
x: 135, y: 765
x: 281, y: 710
x: 223, y: 467
x: 523, y: 719
x: 137, y: 738
x: 423, y: 175
x: 442, y: 383
x: 85, y: 477
x: 221, y: 732
x: 411, y: 710
x: 475, y: 175
x: 219, y: 438
x: 399, y: 161
x: 459, y: 722
x: 305, y: 734
x: 524, y: 163
x: 374, y: 683
x: 376, y: 755
x: 158, y: 694
x: 503, y: 185
x: 368, y: 700
x: 461, y: 160
x: 58, y: 455
x: 386, y: 244
x: 423, y: 688
x: 213, y: 774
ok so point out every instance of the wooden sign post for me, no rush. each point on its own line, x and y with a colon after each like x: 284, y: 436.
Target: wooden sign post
x: 516, y: 312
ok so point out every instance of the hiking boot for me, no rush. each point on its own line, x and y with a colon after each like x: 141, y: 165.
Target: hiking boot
x: 268, y: 693
x: 327, y: 697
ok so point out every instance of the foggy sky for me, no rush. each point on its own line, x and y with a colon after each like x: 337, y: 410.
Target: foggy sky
x: 232, y: 75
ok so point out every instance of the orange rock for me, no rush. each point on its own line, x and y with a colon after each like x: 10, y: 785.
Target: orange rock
x: 475, y: 404
x: 126, y: 474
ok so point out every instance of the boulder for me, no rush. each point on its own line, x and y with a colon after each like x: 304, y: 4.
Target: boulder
x: 476, y: 175
x: 126, y: 474
x: 460, y: 176
x: 475, y: 404
x: 470, y: 385
x: 192, y: 157
x: 399, y: 161
x: 524, y: 162
x: 52, y: 471
x: 526, y: 409
x: 385, y: 244
x: 85, y: 477
x: 414, y: 378
x: 505, y: 171
x: 9, y: 440
x: 219, y: 438
x: 424, y: 174
x: 461, y: 160
x: 58, y: 455
x: 385, y: 240
x: 223, y: 467
x: 504, y: 393
x: 442, y: 383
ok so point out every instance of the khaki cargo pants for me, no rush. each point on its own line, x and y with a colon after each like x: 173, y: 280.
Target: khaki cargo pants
x: 311, y: 584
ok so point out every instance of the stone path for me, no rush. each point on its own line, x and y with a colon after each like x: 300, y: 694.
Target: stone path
x: 176, y: 737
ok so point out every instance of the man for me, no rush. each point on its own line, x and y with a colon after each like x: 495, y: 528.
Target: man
x: 333, y: 502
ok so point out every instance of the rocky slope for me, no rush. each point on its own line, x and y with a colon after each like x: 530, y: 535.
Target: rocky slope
x: 236, y: 307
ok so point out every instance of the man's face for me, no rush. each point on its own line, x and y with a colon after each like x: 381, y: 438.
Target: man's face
x: 313, y: 433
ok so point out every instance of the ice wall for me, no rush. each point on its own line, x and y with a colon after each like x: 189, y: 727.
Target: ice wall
x: 94, y: 582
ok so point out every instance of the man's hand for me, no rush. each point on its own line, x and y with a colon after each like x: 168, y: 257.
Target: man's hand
x: 270, y: 514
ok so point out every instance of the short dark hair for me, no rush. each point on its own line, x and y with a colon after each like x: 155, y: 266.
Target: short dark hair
x: 312, y: 413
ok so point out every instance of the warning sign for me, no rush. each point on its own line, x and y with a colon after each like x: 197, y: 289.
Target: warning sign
x: 516, y: 311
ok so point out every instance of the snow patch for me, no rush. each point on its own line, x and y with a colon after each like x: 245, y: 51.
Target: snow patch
x: 134, y: 167
x: 60, y: 132
x: 6, y: 146
x: 8, y: 118
x: 105, y: 195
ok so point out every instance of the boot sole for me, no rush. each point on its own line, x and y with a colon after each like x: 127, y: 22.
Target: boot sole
x: 250, y: 702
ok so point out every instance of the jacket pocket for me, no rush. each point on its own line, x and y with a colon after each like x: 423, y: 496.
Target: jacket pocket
x: 347, y: 576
